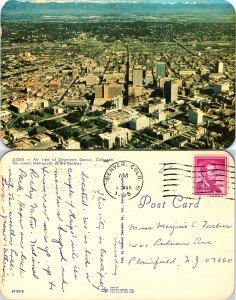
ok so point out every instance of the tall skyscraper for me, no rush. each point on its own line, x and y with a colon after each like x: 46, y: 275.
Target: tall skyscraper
x: 170, y: 91
x: 195, y: 116
x: 148, y: 78
x: 220, y: 67
x: 160, y: 69
x: 138, y: 76
x: 148, y: 65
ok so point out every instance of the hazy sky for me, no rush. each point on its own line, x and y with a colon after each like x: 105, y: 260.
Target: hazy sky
x: 159, y: 1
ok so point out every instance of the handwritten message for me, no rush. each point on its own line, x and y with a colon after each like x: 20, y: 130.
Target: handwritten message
x: 62, y: 233
x: 53, y: 226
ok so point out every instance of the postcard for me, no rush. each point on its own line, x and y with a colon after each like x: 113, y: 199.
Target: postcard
x: 118, y: 74
x: 104, y: 225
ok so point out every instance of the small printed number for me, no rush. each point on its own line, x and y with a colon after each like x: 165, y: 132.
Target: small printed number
x: 218, y: 260
x: 17, y: 291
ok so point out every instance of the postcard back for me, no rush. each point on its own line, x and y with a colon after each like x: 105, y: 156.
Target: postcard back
x: 99, y: 225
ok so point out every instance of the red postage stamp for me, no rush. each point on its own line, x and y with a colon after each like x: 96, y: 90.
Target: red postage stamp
x: 210, y: 175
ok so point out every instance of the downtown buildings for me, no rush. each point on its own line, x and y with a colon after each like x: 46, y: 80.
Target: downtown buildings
x: 68, y: 94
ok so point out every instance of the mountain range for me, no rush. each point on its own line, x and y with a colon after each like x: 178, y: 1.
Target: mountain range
x: 128, y: 1
x: 19, y: 9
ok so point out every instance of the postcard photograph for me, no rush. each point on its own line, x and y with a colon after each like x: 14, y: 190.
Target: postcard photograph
x: 107, y: 225
x: 97, y: 74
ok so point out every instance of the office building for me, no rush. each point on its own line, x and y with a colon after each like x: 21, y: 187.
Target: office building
x: 108, y: 92
x: 148, y: 65
x: 170, y: 91
x: 159, y: 115
x: 148, y: 78
x: 138, y: 91
x: 160, y: 69
x: 138, y: 76
x: 118, y: 103
x: 195, y: 116
x: 219, y: 67
x: 139, y: 123
x: 221, y: 87
x: 18, y: 106
x: 113, y: 90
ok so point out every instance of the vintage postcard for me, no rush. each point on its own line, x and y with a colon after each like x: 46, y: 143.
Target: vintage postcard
x: 104, y: 225
x: 118, y: 74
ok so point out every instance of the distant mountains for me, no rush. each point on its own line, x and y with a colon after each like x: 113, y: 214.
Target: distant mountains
x: 14, y: 9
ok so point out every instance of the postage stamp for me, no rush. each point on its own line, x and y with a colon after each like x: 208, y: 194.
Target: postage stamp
x: 210, y: 175
x: 123, y: 178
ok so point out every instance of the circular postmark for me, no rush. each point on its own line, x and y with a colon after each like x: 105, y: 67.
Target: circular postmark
x: 123, y: 178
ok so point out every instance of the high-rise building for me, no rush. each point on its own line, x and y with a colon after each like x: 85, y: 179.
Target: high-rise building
x: 113, y: 90
x: 148, y: 65
x: 170, y: 91
x: 195, y: 116
x: 160, y: 69
x: 138, y: 76
x: 107, y: 92
x: 148, y: 78
x: 220, y: 67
